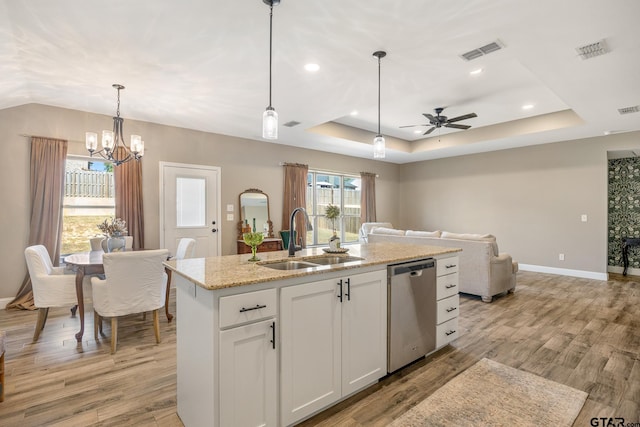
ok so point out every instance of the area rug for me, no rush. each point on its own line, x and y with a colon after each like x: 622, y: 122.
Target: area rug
x: 492, y: 394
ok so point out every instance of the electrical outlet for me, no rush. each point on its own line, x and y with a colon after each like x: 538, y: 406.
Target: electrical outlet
x: 229, y: 208
x: 584, y: 217
x: 561, y: 257
x: 230, y: 217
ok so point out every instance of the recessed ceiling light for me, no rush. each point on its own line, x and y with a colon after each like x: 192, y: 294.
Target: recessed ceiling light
x: 527, y: 106
x: 353, y: 113
x: 312, y: 67
x: 474, y: 72
x: 417, y: 131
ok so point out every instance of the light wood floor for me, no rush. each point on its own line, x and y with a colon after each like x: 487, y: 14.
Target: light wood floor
x: 579, y: 332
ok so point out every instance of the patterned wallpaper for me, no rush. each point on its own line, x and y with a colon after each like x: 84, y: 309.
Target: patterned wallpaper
x: 624, y: 209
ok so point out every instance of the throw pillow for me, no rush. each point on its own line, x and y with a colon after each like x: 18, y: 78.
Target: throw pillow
x: 387, y: 231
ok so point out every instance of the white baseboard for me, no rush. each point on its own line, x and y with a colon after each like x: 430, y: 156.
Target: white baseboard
x: 4, y: 302
x: 564, y: 271
x: 630, y: 271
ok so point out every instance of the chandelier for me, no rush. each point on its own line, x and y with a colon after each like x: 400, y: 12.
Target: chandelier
x: 270, y: 116
x: 378, y: 141
x: 114, y: 148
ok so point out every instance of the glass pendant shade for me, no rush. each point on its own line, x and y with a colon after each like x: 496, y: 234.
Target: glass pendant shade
x: 107, y: 140
x: 270, y: 124
x: 378, y: 147
x: 91, y: 141
x: 137, y: 144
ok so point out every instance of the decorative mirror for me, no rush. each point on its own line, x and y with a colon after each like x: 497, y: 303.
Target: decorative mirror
x: 254, y: 212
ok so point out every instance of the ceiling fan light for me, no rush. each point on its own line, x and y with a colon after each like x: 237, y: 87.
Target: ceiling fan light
x: 270, y: 124
x: 378, y: 147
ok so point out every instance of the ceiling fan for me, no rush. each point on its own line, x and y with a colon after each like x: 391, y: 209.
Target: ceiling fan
x: 438, y: 121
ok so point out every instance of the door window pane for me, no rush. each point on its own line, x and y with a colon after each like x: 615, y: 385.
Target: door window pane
x: 190, y: 202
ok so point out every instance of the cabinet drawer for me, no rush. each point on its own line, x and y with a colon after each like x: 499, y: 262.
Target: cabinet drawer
x: 448, y: 308
x: 446, y: 332
x: 447, y: 286
x: 447, y: 266
x: 249, y: 307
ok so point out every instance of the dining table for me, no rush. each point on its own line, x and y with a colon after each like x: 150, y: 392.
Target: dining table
x: 90, y: 263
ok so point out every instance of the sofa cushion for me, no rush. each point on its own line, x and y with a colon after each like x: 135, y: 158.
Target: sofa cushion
x: 387, y: 231
x: 412, y: 233
x: 470, y: 236
x: 368, y: 226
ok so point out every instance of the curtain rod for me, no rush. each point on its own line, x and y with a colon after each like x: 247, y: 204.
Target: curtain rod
x: 47, y: 137
x: 323, y: 170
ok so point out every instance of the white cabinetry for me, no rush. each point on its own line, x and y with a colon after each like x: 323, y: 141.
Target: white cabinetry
x: 448, y: 302
x: 333, y: 341
x: 248, y: 360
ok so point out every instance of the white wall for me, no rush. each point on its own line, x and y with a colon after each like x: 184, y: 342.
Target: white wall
x: 244, y: 164
x: 530, y: 198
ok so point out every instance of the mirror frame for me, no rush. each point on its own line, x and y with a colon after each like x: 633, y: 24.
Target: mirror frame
x: 241, y: 222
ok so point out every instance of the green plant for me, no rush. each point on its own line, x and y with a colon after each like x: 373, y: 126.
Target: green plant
x: 332, y: 212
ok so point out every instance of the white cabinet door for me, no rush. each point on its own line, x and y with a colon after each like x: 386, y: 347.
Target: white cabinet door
x: 248, y: 383
x: 364, y: 330
x: 310, y: 348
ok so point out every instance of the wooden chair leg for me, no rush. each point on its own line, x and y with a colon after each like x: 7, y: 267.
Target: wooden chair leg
x: 42, y: 319
x: 114, y: 334
x: 97, y: 322
x: 2, y: 377
x: 156, y: 325
x: 166, y: 298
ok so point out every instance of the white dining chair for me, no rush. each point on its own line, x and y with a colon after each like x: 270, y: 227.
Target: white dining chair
x: 186, y: 249
x: 135, y: 282
x: 51, y: 286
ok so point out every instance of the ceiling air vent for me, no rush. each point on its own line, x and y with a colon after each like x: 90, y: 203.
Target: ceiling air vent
x: 629, y: 110
x: 481, y: 51
x: 592, y: 50
x: 291, y: 124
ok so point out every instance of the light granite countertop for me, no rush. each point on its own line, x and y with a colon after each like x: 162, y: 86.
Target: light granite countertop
x: 235, y: 270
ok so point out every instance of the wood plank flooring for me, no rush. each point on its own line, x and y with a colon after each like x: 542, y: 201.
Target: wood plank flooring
x: 579, y: 332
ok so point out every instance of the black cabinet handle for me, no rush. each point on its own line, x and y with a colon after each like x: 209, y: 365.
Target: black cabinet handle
x: 340, y: 293
x: 450, y: 309
x: 452, y: 331
x: 257, y: 307
x: 450, y: 286
x: 348, y: 293
x: 450, y: 265
x: 273, y: 334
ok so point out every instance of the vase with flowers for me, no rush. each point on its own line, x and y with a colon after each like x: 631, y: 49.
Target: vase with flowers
x: 332, y: 212
x: 114, y: 231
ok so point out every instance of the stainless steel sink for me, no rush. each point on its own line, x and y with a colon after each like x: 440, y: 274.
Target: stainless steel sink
x: 288, y: 265
x: 332, y: 259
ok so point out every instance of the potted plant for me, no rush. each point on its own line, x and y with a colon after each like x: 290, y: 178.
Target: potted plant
x: 332, y: 212
x: 114, y: 231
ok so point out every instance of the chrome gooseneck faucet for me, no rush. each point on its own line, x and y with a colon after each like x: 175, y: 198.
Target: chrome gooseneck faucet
x: 292, y: 244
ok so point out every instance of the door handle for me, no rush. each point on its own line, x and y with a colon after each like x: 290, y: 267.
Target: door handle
x: 213, y: 223
x: 213, y: 230
x: 348, y: 293
x: 273, y: 334
x: 340, y: 293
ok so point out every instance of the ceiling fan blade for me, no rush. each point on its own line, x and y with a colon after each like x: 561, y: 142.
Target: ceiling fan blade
x: 430, y: 117
x: 450, y: 125
x: 429, y: 131
x: 465, y: 117
x: 410, y: 126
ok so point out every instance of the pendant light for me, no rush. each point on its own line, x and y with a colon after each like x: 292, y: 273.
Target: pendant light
x: 270, y: 116
x: 378, y: 141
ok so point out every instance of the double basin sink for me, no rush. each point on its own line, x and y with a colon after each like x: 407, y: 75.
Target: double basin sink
x: 309, y: 262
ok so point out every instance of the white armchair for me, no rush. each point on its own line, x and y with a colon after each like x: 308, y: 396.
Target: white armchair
x: 135, y: 283
x: 51, y: 287
x: 186, y: 249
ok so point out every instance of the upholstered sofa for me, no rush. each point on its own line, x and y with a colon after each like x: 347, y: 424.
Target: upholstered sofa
x: 483, y: 270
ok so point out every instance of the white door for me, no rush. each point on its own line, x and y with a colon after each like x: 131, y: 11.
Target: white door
x: 364, y: 330
x: 248, y: 384
x: 309, y: 348
x: 190, y: 207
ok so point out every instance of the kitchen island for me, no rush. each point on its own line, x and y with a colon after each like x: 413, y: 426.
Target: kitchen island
x: 272, y: 346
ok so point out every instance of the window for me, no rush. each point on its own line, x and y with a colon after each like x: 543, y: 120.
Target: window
x: 325, y: 188
x: 89, y: 199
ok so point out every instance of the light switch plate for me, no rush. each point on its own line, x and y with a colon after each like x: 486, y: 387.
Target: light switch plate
x: 229, y: 208
x: 230, y: 217
x: 584, y: 218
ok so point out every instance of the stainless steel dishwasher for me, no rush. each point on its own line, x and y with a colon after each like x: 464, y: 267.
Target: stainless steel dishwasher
x: 411, y: 299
